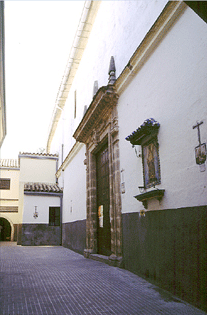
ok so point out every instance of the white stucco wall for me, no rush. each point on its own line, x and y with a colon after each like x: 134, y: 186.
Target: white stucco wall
x: 10, y: 197
x: 118, y: 30
x: 39, y: 170
x: 172, y: 88
x: 65, y: 129
x: 74, y: 195
x: 13, y: 175
x: 34, y: 169
x: 43, y: 203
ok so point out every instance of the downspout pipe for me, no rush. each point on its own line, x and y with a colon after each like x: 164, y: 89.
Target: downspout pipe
x: 61, y: 219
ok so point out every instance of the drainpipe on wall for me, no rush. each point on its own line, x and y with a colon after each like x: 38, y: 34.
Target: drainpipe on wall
x: 62, y: 153
x: 61, y: 211
x: 56, y: 171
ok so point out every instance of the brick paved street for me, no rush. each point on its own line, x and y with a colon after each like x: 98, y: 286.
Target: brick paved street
x: 55, y: 280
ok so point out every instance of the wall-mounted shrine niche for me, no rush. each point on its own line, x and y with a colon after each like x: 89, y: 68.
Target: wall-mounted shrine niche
x: 146, y: 137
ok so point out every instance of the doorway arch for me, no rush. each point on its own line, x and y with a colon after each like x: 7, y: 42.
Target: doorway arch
x: 6, y: 230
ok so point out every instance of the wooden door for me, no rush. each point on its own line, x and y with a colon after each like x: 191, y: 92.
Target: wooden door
x: 103, y: 202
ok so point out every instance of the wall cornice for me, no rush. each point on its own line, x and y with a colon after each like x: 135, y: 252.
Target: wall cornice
x: 8, y: 208
x: 100, y: 108
x: 41, y: 156
x: 50, y: 194
x: 165, y: 21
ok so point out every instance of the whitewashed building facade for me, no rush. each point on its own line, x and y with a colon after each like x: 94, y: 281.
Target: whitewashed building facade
x: 130, y: 127
x: 30, y: 200
x: 40, y: 208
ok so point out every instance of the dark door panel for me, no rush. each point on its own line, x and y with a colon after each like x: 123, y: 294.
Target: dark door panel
x: 103, y: 215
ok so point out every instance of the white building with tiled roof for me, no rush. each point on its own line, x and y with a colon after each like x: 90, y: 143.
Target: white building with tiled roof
x: 39, y: 200
x: 30, y: 200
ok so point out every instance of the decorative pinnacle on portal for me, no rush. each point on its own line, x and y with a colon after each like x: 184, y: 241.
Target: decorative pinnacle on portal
x: 112, y: 72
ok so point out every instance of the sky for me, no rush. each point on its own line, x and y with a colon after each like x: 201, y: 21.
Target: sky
x: 38, y: 39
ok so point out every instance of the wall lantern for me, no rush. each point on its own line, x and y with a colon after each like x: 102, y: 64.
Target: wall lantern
x: 137, y: 149
x: 35, y: 214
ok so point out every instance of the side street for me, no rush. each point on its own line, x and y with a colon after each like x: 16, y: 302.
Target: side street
x: 110, y: 213
x: 55, y: 280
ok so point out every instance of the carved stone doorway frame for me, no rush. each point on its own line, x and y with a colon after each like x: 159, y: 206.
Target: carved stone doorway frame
x: 98, y: 127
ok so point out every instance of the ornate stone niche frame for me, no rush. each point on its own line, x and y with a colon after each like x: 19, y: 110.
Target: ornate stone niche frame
x: 98, y: 127
x: 147, y: 136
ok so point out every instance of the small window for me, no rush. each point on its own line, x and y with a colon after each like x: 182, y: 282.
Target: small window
x: 5, y: 184
x: 54, y: 216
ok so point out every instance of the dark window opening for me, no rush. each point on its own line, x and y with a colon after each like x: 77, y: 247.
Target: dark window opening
x: 54, y: 216
x: 5, y: 183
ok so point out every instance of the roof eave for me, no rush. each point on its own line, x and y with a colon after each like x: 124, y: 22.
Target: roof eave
x: 79, y: 44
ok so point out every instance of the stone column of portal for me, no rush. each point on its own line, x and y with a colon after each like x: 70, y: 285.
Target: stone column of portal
x: 116, y: 183
x: 87, y: 206
x: 91, y: 222
x: 117, y: 199
x: 111, y: 194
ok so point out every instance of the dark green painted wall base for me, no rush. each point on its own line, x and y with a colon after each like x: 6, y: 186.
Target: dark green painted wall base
x: 169, y: 247
x: 15, y: 232
x: 74, y: 235
x: 38, y: 234
x: 19, y: 234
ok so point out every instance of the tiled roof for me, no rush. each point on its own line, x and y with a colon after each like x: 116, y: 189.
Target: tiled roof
x: 9, y: 163
x: 42, y: 187
x: 149, y: 125
x: 38, y: 154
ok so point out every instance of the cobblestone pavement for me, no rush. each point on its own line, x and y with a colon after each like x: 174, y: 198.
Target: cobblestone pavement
x: 55, y: 280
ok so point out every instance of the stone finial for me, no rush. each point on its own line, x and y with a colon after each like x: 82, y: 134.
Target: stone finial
x: 112, y: 72
x: 95, y: 87
x: 85, y: 109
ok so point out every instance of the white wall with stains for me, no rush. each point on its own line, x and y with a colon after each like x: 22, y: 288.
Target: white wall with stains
x: 171, y: 87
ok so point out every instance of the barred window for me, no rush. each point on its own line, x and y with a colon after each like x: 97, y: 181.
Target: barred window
x: 4, y: 183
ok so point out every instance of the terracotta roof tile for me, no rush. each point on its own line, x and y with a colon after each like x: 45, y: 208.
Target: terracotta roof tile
x: 148, y: 126
x: 9, y: 163
x: 42, y: 187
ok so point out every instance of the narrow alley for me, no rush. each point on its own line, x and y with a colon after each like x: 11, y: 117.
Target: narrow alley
x: 55, y: 280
